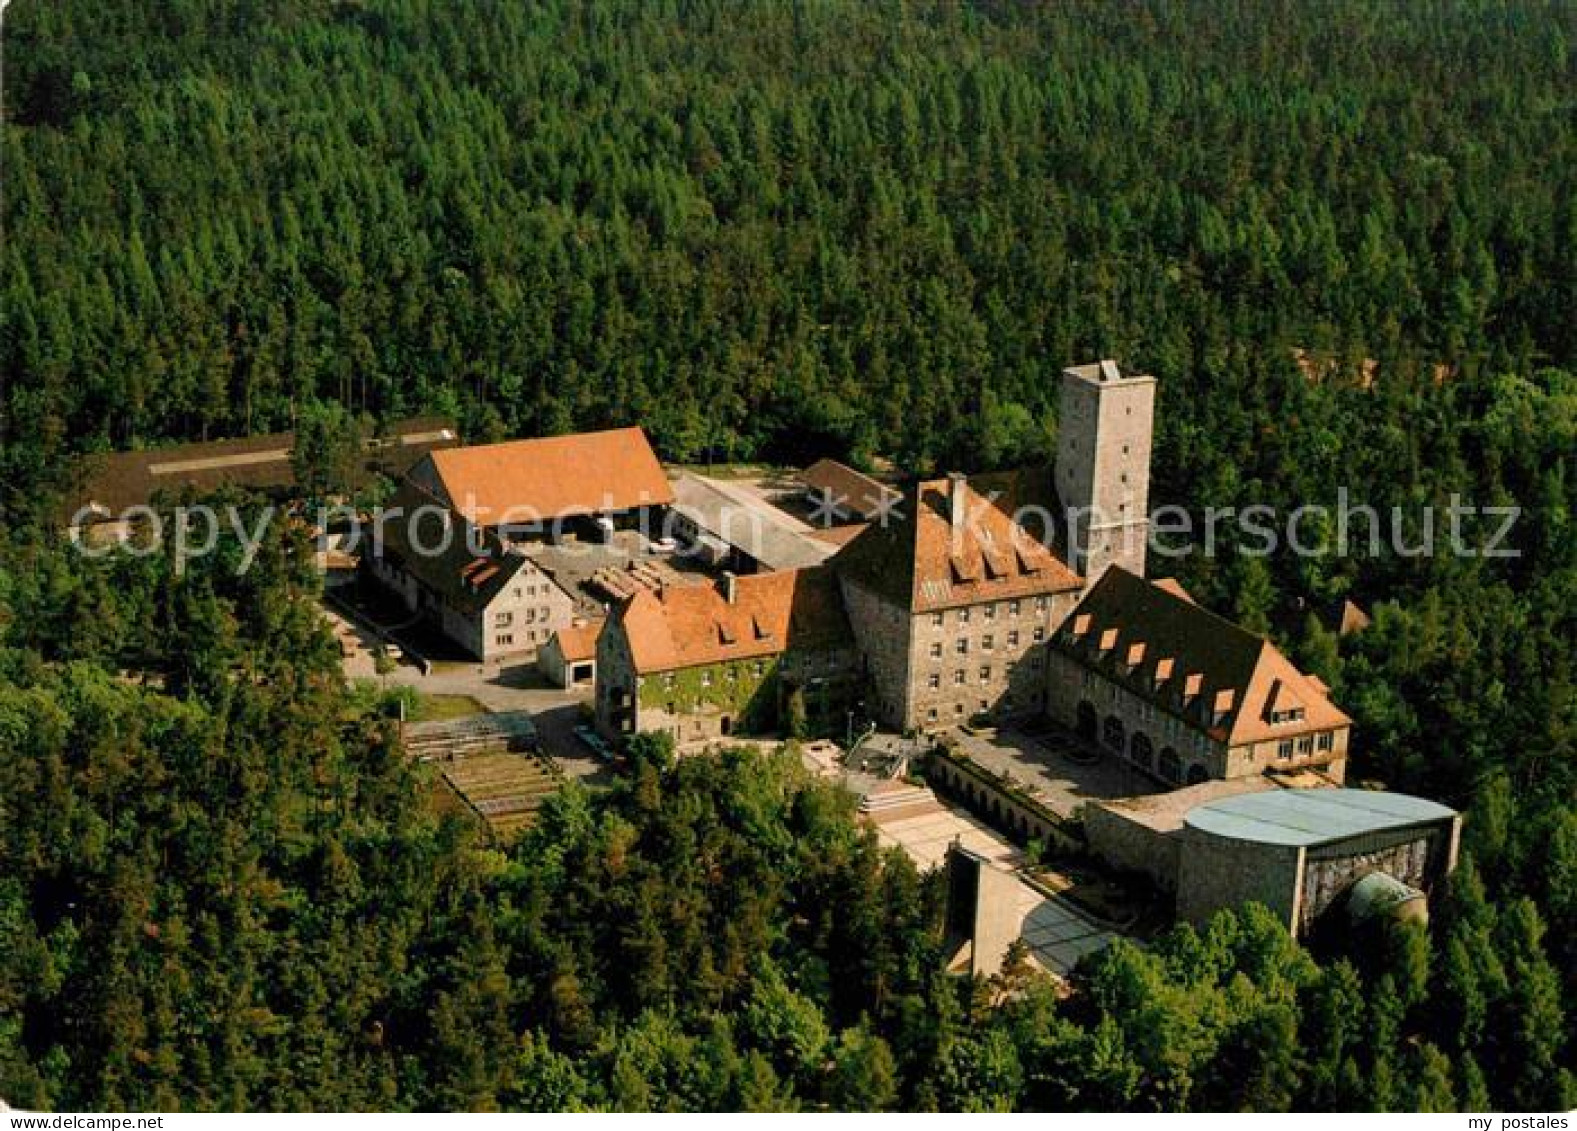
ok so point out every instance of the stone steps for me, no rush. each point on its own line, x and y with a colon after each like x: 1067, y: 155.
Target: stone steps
x: 892, y: 797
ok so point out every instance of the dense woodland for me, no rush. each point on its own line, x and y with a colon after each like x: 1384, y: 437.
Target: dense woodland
x: 867, y: 230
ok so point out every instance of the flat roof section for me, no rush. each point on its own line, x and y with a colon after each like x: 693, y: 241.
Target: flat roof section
x: 1308, y: 817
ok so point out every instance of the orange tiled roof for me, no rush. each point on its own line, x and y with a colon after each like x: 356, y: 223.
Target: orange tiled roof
x: 918, y: 561
x: 680, y: 627
x: 551, y: 477
x: 1154, y: 639
x: 579, y: 641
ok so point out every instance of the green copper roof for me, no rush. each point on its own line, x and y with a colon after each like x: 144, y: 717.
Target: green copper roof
x: 1311, y: 816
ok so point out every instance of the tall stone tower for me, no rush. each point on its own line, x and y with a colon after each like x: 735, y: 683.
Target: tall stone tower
x: 1103, y: 466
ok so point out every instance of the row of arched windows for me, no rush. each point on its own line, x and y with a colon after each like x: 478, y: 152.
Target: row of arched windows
x: 1138, y: 748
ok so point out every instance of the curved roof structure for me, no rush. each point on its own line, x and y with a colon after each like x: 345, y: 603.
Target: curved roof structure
x: 1299, y: 818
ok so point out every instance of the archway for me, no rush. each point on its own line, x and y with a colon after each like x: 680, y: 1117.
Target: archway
x: 1087, y: 721
x: 1171, y: 766
x: 1113, y: 733
x: 1141, y: 750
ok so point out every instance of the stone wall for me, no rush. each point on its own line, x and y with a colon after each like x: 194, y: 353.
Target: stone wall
x: 1070, y: 683
x: 883, y: 630
x: 1131, y: 846
x: 1103, y: 467
x: 989, y: 798
x: 1217, y: 872
x: 982, y: 659
x: 1257, y: 757
x: 1420, y: 858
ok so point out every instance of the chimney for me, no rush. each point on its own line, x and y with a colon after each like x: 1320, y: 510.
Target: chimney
x: 957, y: 509
x: 730, y: 586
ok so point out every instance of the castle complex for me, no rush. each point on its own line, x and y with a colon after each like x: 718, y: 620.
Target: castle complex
x: 950, y: 601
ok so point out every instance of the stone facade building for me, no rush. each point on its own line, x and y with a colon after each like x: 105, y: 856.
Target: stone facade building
x: 1185, y: 695
x: 953, y: 601
x: 955, y: 592
x: 1298, y: 848
x: 705, y: 661
x: 1300, y: 852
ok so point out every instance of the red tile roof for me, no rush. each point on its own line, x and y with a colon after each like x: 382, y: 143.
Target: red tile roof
x: 921, y: 562
x: 679, y: 627
x: 550, y: 477
x: 579, y: 641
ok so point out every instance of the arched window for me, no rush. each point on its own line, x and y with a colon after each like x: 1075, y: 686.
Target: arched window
x: 1171, y: 766
x: 1086, y: 725
x: 1112, y: 733
x: 1140, y: 750
x: 1196, y: 774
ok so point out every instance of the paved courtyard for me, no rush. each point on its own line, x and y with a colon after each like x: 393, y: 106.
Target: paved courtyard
x: 1056, y: 768
x: 926, y: 838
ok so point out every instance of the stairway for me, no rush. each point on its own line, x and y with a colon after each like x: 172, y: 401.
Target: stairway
x: 893, y: 800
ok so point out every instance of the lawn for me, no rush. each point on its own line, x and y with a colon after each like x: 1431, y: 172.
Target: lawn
x: 434, y: 708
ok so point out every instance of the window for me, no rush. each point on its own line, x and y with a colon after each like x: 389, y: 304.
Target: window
x: 1327, y: 740
x: 1284, y: 748
x: 935, y: 682
x: 936, y: 620
x: 963, y: 616
x: 706, y: 679
x: 987, y: 642
x: 936, y: 650
x: 991, y: 611
x: 504, y: 639
x: 1040, y: 604
x: 985, y: 673
x: 503, y: 620
x: 931, y: 715
x: 1171, y: 766
x: 1013, y: 639
x: 958, y: 678
x: 668, y: 680
x: 1040, y: 634
x: 1013, y: 608
x: 1306, y: 744
x: 963, y: 646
